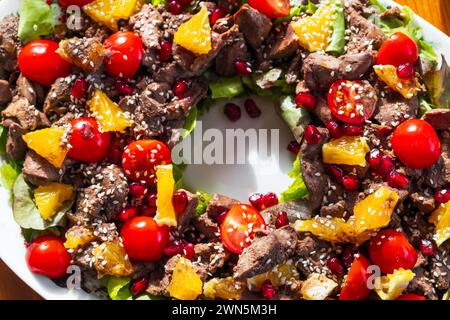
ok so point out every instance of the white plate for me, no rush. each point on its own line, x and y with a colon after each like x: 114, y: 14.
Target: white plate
x: 237, y: 181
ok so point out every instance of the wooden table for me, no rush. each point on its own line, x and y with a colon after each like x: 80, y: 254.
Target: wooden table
x: 435, y: 11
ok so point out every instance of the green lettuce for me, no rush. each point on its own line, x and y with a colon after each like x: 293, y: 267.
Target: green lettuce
x: 297, y: 190
x: 9, y: 171
x: 337, y: 43
x: 297, y: 8
x: 226, y: 88
x: 37, y: 18
x: 158, y: 2
x: 203, y: 200
x: 118, y: 287
x: 3, y: 137
x: 438, y: 85
x: 190, y: 122
x: 272, y: 84
x: 296, y: 118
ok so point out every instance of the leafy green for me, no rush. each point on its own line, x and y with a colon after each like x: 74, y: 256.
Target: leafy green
x: 438, y: 85
x: 297, y: 190
x: 9, y: 171
x: 37, y: 18
x: 446, y: 295
x: 189, y: 124
x: 178, y: 175
x: 203, y: 200
x: 269, y: 79
x: 295, y: 118
x: 158, y: 2
x: 277, y: 89
x: 118, y: 287
x: 3, y: 137
x: 337, y: 43
x: 377, y: 4
x: 425, y: 105
x: 29, y: 234
x: 297, y: 8
x: 27, y: 214
x: 226, y: 88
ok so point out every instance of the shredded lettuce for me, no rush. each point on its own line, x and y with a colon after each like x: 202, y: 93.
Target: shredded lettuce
x: 203, y: 200
x: 226, y: 88
x: 118, y: 288
x: 297, y: 190
x: 337, y: 43
x: 277, y: 88
x: 37, y: 18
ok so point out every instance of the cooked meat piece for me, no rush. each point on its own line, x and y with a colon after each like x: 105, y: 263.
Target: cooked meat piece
x: 393, y: 110
x: 393, y: 12
x: 313, y: 170
x: 354, y: 66
x: 26, y: 115
x: 229, y: 5
x: 207, y: 227
x: 310, y: 256
x: 336, y: 210
x: 416, y: 227
x: 219, y: 204
x: 438, y: 118
x: 439, y: 174
x: 266, y: 252
x: 85, y: 53
x: 421, y: 284
x: 378, y: 136
x: 440, y: 269
x: 5, y: 92
x: 170, y: 72
x: 15, y: 145
x: 294, y: 209
x: 236, y: 48
x: 38, y: 171
x: 9, y: 43
x: 64, y: 120
x: 423, y: 203
x: 282, y: 44
x: 160, y: 279
x: 185, y: 217
x: 293, y: 73
x: 89, y: 204
x: 147, y: 23
x: 253, y: 24
x: 209, y: 257
x: 115, y: 185
x: 26, y: 90
x: 59, y: 97
x: 322, y: 110
x: 223, y: 24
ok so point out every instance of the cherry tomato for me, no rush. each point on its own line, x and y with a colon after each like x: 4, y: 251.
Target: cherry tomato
x: 140, y: 158
x: 416, y: 144
x: 397, y: 50
x: 80, y: 3
x: 38, y: 61
x: 47, y: 255
x: 411, y: 296
x: 356, y: 285
x: 125, y: 54
x: 347, y: 102
x: 88, y: 143
x: 144, y: 239
x: 272, y: 8
x: 391, y: 250
x: 239, y: 226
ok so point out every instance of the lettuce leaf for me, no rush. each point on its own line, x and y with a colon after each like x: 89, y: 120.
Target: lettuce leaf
x: 158, y: 2
x: 438, y: 85
x: 297, y: 190
x: 297, y: 8
x: 118, y: 287
x: 337, y: 43
x: 203, y: 200
x: 226, y: 88
x: 9, y: 171
x: 190, y: 122
x: 296, y: 118
x: 3, y: 137
x: 37, y: 19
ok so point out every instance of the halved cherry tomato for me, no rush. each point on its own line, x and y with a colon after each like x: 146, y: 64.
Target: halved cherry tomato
x: 143, y: 239
x: 272, y: 8
x: 416, y: 144
x: 410, y: 296
x: 125, y: 54
x: 356, y: 285
x: 80, y: 3
x: 347, y: 102
x: 239, y: 226
x: 38, y: 61
x: 88, y: 143
x: 140, y: 158
x: 397, y: 50
x: 391, y: 250
x: 47, y: 255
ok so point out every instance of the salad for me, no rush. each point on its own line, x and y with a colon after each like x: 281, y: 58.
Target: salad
x: 93, y: 101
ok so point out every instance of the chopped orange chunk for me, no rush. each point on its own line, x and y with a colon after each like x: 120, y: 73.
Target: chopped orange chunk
x: 195, y: 34
x: 185, y: 284
x: 50, y: 198
x: 223, y: 288
x: 48, y: 143
x: 77, y: 237
x: 101, y: 11
x: 165, y: 212
x: 346, y: 150
x: 111, y: 259
x: 441, y: 220
x: 407, y: 88
x: 93, y: 48
x: 317, y: 287
x: 392, y: 285
x: 124, y: 9
x: 278, y: 276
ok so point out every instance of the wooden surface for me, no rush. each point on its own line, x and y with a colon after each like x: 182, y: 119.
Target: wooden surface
x: 435, y: 11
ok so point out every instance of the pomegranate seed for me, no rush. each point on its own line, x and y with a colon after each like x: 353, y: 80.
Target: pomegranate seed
x: 312, y: 134
x: 350, y: 183
x: 115, y: 155
x: 337, y: 173
x: 185, y: 2
x: 348, y: 255
x: 180, y: 201
x: 398, y: 180
x: 165, y: 53
x: 80, y: 89
x: 406, y: 71
x: 251, y: 108
x: 189, y: 251
x: 147, y: 211
x: 270, y: 199
x: 174, y: 7
x: 374, y: 159
x: 151, y: 199
x: 123, y: 88
x: 282, y: 220
x: 243, y: 68
x: 174, y: 248
x: 180, y: 89
x: 352, y: 129
x: 334, y: 128
x: 335, y: 266
x: 232, y: 111
x: 221, y: 217
x: 305, y: 100
x: 294, y: 147
x: 138, y: 286
x: 127, y: 214
x: 442, y: 196
x: 386, y: 166
x: 268, y: 290
x: 256, y: 200
x: 427, y: 247
x: 216, y: 14
x: 137, y: 190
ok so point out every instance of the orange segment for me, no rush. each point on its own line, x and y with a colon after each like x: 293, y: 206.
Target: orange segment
x: 223, y: 288
x: 78, y: 236
x: 346, y: 150
x: 195, y: 34
x: 124, y: 9
x: 50, y: 198
x: 165, y: 212
x: 101, y: 11
x: 111, y: 259
x: 441, y: 219
x: 407, y: 88
x: 185, y: 284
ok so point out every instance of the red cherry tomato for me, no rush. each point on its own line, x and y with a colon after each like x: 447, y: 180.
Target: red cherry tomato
x: 399, y: 49
x: 346, y: 102
x: 239, y: 226
x: 88, y: 143
x: 38, y: 61
x: 144, y: 239
x: 391, y: 250
x: 416, y: 144
x: 125, y: 54
x: 272, y: 8
x: 48, y: 256
x: 356, y: 285
x: 140, y: 158
x: 411, y: 296
x: 80, y: 3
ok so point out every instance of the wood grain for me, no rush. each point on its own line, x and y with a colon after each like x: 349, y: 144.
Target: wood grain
x: 435, y: 11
